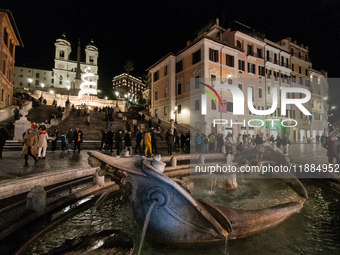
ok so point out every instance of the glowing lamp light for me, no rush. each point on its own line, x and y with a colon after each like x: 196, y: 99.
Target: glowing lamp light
x: 30, y: 80
x: 229, y: 75
x: 51, y: 91
x: 128, y: 94
x: 325, y: 98
x: 175, y: 108
x: 125, y: 95
x: 42, y: 85
x: 117, y: 93
x: 333, y: 107
x: 68, y: 87
x: 106, y: 98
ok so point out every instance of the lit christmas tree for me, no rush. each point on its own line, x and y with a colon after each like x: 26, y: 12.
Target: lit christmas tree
x: 87, y: 87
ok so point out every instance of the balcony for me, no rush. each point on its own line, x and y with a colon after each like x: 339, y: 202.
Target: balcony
x: 254, y: 54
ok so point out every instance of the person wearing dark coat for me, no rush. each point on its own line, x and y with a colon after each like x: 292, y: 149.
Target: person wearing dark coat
x: 258, y: 140
x: 278, y: 142
x: 170, y: 142
x: 69, y: 138
x: 153, y: 141
x: 109, y: 139
x: 54, y: 137
x: 78, y: 139
x: 139, y: 138
x: 128, y: 143
x: 332, y: 146
x: 119, y: 142
x: 182, y: 141
x: 3, y: 138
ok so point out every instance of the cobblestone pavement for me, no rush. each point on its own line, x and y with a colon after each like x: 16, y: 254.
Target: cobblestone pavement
x: 11, y: 166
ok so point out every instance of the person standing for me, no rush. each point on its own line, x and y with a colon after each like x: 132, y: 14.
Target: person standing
x: 198, y: 143
x: 212, y: 142
x: 170, y: 142
x: 285, y: 143
x: 205, y: 142
x: 30, y: 146
x: 182, y: 141
x: 154, y: 141
x: 147, y: 143
x: 69, y: 138
x: 103, y: 140
x: 128, y: 143
x: 42, y: 144
x: 54, y: 138
x: 139, y: 139
x: 109, y: 139
x: 317, y: 139
x: 78, y: 139
x: 278, y: 142
x: 3, y: 138
x: 16, y: 113
x: 332, y: 146
x: 63, y: 141
x: 119, y: 142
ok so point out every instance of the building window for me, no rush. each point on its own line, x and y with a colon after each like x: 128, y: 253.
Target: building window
x: 312, y: 101
x: 282, y: 61
x: 165, y: 110
x: 60, y: 82
x: 52, y: 81
x: 196, y: 57
x: 213, y: 80
x: 301, y: 81
x: 91, y: 59
x: 260, y: 92
x: 259, y: 53
x: 313, y: 115
x: 20, y: 83
x: 293, y: 67
x: 197, y: 82
x: 179, y: 88
x: 61, y: 54
x: 156, y: 95
x: 36, y: 82
x: 179, y: 109
x: 294, y: 78
x: 11, y: 47
x: 156, y: 76
x: 261, y: 71
x: 239, y: 44
x: 187, y: 87
x: 213, y: 105
x: 251, y: 68
x: 306, y: 70
x: 294, y: 114
x: 213, y: 55
x: 229, y: 60
x: 179, y: 66
x: 230, y: 81
x: 197, y: 105
x: 241, y: 65
x: 240, y: 86
x: 165, y: 91
x: 268, y: 56
x: 5, y: 37
x: 165, y: 70
x: 2, y: 94
x: 300, y: 70
x: 253, y: 93
x: 37, y: 75
x: 320, y: 116
x: 275, y: 58
x: 230, y: 107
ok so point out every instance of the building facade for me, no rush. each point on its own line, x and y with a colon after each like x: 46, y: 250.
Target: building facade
x: 65, y: 69
x: 9, y: 39
x: 127, y: 86
x: 243, y: 59
x: 32, y: 78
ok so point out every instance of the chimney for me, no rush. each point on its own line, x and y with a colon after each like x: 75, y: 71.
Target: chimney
x: 78, y: 60
x: 306, y: 47
x: 295, y: 42
x: 301, y: 45
x: 217, y: 21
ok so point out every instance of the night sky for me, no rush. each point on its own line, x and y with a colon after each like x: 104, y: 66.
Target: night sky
x: 145, y: 31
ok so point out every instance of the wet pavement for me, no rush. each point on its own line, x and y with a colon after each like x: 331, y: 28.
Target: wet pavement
x: 11, y: 165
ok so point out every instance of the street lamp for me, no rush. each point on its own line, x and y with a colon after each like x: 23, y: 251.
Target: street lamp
x: 125, y: 96
x: 117, y: 93
x: 42, y: 88
x: 106, y: 98
x: 30, y: 81
x: 333, y: 107
x: 175, y: 114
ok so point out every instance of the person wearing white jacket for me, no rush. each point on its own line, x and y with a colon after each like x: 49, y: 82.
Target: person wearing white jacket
x: 42, y: 144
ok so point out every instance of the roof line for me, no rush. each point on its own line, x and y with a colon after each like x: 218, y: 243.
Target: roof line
x: 14, y: 25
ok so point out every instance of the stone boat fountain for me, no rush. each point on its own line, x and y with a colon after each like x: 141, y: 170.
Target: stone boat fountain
x: 176, y: 216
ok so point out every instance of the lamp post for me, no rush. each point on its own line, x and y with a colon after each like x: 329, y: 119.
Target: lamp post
x: 175, y: 114
x: 42, y: 88
x: 30, y: 81
x: 117, y: 94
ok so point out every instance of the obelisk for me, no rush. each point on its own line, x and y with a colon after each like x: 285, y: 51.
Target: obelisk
x: 77, y: 81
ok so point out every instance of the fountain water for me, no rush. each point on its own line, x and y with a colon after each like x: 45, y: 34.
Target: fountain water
x: 146, y: 223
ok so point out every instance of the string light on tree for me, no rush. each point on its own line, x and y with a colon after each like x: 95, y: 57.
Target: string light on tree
x: 87, y: 87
